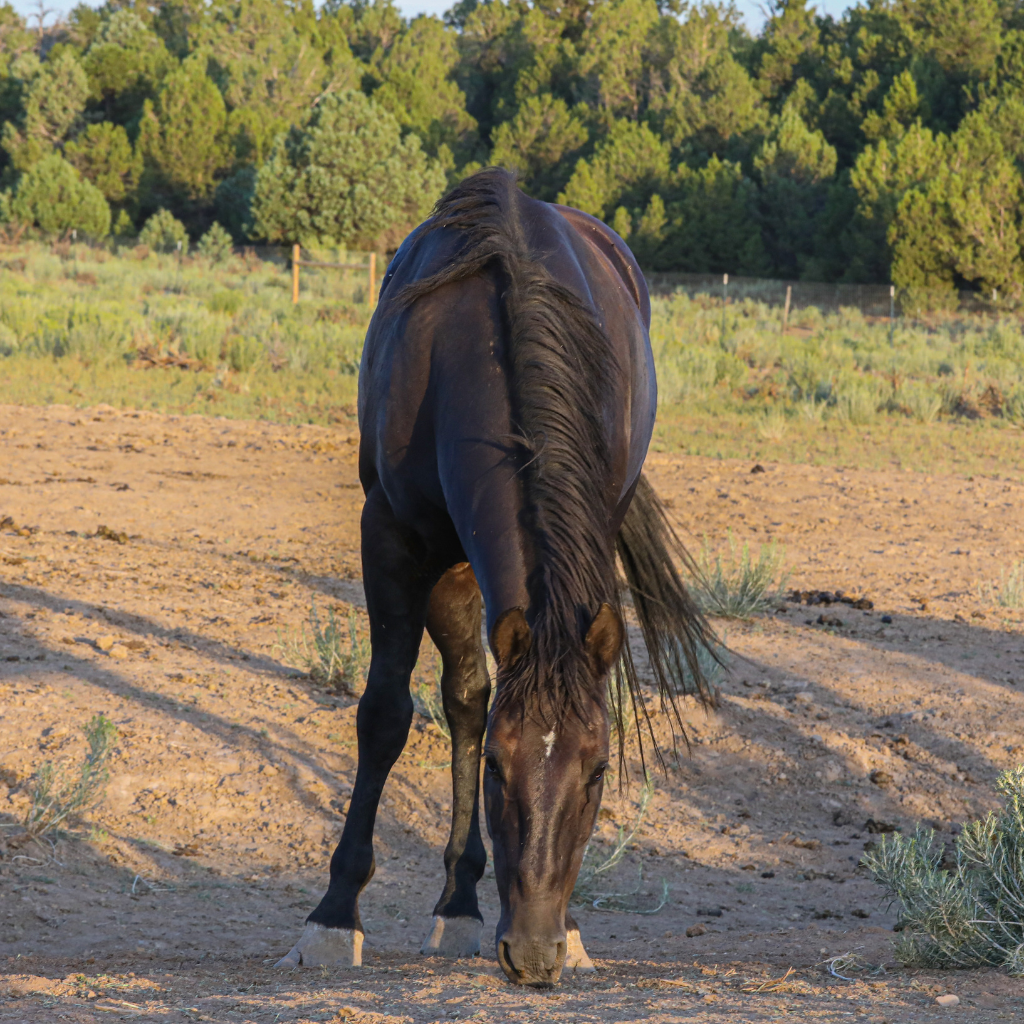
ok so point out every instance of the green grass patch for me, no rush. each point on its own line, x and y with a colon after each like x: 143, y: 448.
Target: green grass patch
x: 82, y: 326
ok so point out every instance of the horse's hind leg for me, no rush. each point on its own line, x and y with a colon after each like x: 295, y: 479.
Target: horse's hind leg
x: 397, y: 588
x: 453, y: 620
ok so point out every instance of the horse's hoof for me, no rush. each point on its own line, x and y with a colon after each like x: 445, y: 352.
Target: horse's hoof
x: 576, y: 958
x: 320, y: 946
x: 453, y: 937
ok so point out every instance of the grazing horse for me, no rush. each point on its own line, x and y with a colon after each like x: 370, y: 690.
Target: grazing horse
x: 506, y: 402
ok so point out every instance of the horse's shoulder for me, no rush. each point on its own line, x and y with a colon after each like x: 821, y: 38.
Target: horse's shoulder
x: 601, y: 237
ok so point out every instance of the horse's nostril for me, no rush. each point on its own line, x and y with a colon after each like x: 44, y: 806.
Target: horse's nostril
x: 506, y: 956
x: 560, y: 950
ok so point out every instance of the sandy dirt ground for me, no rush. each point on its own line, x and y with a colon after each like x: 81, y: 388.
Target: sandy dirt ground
x: 172, y: 901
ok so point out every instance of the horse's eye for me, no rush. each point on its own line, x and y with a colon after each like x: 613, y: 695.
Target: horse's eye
x: 598, y: 773
x: 492, y: 768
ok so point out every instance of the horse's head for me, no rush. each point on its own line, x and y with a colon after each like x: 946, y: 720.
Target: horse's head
x: 543, y: 778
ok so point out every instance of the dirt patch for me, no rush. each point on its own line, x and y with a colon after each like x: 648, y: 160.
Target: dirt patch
x: 839, y: 721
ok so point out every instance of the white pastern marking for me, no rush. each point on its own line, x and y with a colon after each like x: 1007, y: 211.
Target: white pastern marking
x: 549, y: 743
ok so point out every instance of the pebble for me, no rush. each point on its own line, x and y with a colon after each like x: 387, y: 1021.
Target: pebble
x: 106, y: 642
x: 698, y: 929
x: 948, y: 1000
x: 119, y: 652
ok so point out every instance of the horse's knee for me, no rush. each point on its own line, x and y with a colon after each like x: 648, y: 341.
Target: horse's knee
x: 465, y: 693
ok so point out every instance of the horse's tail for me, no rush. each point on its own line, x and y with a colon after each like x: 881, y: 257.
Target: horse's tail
x: 680, y: 642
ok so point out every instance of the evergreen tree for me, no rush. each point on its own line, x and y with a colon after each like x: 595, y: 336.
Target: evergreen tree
x: 538, y: 143
x: 627, y: 168
x: 795, y: 164
x: 701, y: 96
x: 54, y: 99
x: 183, y: 141
x: 126, y: 63
x: 53, y: 197
x: 104, y: 156
x: 346, y: 177
x: 417, y: 90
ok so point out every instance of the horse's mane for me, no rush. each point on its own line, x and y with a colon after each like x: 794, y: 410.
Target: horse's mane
x: 560, y: 363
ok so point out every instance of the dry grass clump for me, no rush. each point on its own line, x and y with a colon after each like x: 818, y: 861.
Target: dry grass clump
x: 971, y: 913
x: 1010, y: 592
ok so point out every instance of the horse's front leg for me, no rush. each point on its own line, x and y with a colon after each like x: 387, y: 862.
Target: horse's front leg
x: 397, y: 591
x: 453, y: 619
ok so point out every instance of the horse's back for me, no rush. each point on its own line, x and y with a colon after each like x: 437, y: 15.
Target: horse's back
x: 435, y: 407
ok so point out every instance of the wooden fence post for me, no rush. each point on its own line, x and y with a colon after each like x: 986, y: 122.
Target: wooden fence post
x: 295, y: 273
x: 785, y: 311
x: 371, y: 296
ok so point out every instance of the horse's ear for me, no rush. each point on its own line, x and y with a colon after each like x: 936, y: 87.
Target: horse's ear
x: 511, y: 638
x: 604, y: 639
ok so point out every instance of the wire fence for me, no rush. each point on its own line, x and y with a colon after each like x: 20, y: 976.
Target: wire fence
x: 873, y: 300
x: 357, y: 274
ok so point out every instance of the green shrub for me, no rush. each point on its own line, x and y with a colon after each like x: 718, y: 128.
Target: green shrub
x: 856, y: 404
x: 162, y: 233
x: 54, y: 197
x: 772, y: 424
x: 972, y: 912
x: 1013, y: 407
x: 923, y: 403
x: 216, y: 245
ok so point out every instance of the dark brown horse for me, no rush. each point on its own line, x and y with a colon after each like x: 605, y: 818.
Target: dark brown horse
x: 506, y: 402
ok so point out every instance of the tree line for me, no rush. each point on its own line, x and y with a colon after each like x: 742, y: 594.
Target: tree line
x: 885, y: 145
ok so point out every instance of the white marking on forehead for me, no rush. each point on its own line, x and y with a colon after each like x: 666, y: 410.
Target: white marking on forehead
x: 549, y: 742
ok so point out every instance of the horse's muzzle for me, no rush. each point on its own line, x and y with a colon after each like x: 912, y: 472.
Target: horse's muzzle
x: 531, y: 961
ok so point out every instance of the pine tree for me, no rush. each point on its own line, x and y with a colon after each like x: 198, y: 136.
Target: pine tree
x: 346, y: 177
x: 627, y: 168
x: 538, y: 143
x: 183, y: 141
x: 104, y: 156
x: 53, y: 197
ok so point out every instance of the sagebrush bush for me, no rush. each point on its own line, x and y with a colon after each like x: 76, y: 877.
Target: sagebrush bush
x: 331, y: 653
x: 972, y: 912
x: 63, y: 791
x: 93, y: 312
x: 737, y: 586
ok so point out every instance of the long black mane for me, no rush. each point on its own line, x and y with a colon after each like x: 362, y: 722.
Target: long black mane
x: 560, y: 363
